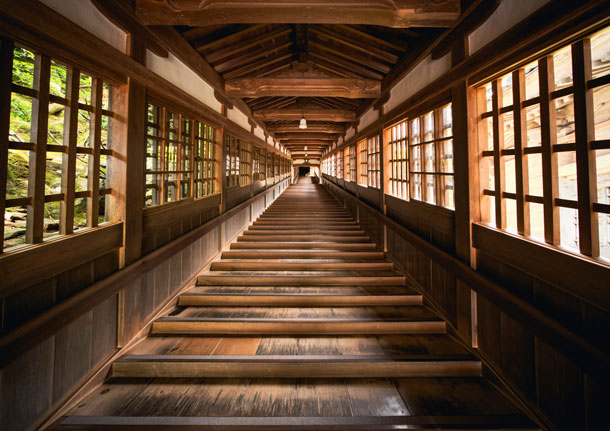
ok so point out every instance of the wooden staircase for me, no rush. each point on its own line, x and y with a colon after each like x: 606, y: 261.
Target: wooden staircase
x: 301, y: 325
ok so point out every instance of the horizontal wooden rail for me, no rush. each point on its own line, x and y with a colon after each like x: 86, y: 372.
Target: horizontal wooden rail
x: 561, y: 338
x: 15, y: 343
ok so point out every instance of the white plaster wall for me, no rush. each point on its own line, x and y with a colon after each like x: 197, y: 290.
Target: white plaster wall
x: 340, y: 140
x: 176, y: 72
x: 269, y: 140
x: 259, y: 133
x: 349, y: 133
x: 239, y: 118
x: 85, y: 14
x: 370, y: 115
x: 508, y: 13
x: 424, y: 73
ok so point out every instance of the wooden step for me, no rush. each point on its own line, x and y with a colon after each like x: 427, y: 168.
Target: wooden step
x: 305, y: 254
x: 242, y: 326
x: 300, y: 266
x: 263, y: 228
x: 296, y: 423
x: 286, y: 367
x: 302, y: 238
x: 304, y: 232
x: 302, y: 245
x: 302, y: 300
x: 298, y: 280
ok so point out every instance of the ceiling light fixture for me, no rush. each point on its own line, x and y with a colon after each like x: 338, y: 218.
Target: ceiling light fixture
x: 303, y: 122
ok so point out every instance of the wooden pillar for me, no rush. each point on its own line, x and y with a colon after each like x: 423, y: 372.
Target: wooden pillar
x: 6, y: 72
x: 126, y: 175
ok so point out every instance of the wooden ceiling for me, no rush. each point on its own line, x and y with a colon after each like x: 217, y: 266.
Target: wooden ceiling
x: 324, y: 60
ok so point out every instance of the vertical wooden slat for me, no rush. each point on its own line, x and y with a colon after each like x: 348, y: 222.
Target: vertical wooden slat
x: 479, y: 203
x: 498, y: 137
x: 164, y: 135
x: 438, y: 179
x: 93, y: 180
x: 38, y: 158
x: 68, y: 179
x: 521, y: 168
x: 6, y: 72
x: 586, y: 172
x: 549, y: 160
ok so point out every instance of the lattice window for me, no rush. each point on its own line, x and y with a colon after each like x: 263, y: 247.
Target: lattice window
x: 398, y: 175
x: 340, y: 164
x: 169, y: 156
x: 431, y: 157
x: 204, y: 164
x: 256, y: 164
x: 374, y: 162
x: 544, y: 142
x: 55, y: 155
x: 232, y: 162
x: 244, y: 163
x: 362, y: 150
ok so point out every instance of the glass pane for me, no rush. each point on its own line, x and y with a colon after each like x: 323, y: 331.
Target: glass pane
x: 566, y: 163
x: 52, y: 184
x: 15, y: 222
x: 601, y: 112
x: 430, y: 189
x: 85, y: 89
x: 57, y: 84
x: 447, y: 156
x: 507, y: 90
x: 107, y: 97
x: 447, y: 187
x: 488, y: 94
x: 416, y: 159
x: 21, y: 118
x: 17, y: 175
x: 536, y: 220
x: 84, y: 129
x: 80, y: 213
x: 103, y: 170
x: 101, y: 217
x: 23, y: 67
x: 447, y: 121
x: 416, y: 186
x: 562, y: 63
x: 429, y: 126
x: 511, y: 214
x: 510, y: 179
x: 602, y: 161
x: 532, y: 115
x: 604, y: 235
x: 430, y: 158
x: 508, y: 125
x: 55, y: 133
x: 534, y: 172
x: 82, y: 172
x: 51, y: 220
x: 600, y: 52
x: 532, y: 85
x: 564, y: 119
x: 488, y: 123
x: 568, y: 219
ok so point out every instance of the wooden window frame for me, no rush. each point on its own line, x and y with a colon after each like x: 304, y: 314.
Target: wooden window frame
x: 398, y: 160
x: 373, y: 162
x: 417, y: 145
x: 204, y: 160
x: 38, y: 146
x: 363, y: 168
x: 232, y: 162
x: 245, y: 163
x: 584, y: 146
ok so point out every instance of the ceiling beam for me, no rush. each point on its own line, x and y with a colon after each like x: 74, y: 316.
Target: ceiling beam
x: 353, y: 88
x: 316, y: 128
x: 388, y: 13
x: 305, y: 134
x: 336, y: 115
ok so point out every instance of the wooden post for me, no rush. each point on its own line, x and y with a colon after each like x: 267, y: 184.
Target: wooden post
x: 498, y: 137
x: 6, y: 73
x: 93, y: 177
x: 586, y: 173
x: 521, y: 169
x: 550, y: 188
x: 68, y: 179
x: 38, y: 158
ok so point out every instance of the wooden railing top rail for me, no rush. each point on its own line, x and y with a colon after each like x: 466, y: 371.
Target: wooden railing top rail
x: 15, y: 343
x: 563, y: 339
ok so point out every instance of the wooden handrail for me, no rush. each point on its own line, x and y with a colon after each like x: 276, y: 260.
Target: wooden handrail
x: 563, y: 339
x: 18, y: 341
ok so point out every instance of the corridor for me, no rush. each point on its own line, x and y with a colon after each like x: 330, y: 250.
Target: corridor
x: 302, y: 324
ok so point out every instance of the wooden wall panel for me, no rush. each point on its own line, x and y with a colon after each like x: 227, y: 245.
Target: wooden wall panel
x: 28, y: 384
x: 104, y: 338
x: 73, y: 345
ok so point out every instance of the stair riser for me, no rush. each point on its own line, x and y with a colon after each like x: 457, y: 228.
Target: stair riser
x: 298, y: 300
x: 278, y: 266
x: 206, y: 280
x: 265, y: 254
x: 339, y: 369
x: 292, y: 328
x: 301, y: 246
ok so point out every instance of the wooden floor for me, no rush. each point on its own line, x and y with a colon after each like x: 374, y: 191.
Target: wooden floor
x: 301, y: 325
